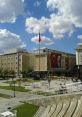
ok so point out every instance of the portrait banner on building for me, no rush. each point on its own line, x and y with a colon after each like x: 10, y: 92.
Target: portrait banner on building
x: 55, y: 60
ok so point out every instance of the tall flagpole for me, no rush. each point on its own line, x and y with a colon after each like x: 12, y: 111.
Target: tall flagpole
x: 39, y: 51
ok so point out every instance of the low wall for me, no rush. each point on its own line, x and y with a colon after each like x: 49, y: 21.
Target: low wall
x: 54, y: 99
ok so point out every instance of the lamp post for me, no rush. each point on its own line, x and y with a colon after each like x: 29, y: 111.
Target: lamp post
x: 13, y: 81
x: 14, y: 89
x: 78, y: 66
x: 78, y: 72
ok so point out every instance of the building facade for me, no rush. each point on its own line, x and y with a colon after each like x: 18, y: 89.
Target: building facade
x: 16, y: 60
x: 20, y: 60
x: 79, y: 54
x: 51, y: 60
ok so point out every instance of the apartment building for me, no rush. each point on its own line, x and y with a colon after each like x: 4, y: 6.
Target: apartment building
x: 18, y: 60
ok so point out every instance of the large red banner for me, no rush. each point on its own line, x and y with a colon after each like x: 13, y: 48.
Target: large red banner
x: 55, y: 60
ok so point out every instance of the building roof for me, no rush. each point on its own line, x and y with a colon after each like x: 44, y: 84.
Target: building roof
x: 79, y: 46
x: 44, y: 50
x: 13, y: 51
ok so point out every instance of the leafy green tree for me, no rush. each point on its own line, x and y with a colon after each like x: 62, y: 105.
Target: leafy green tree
x: 1, y: 72
x: 12, y: 73
x: 5, y: 73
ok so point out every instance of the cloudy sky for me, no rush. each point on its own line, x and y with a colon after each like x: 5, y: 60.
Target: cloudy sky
x: 58, y: 21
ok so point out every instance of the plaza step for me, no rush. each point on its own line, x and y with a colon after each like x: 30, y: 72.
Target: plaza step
x: 78, y: 108
x: 72, y: 107
x: 53, y: 108
x: 78, y: 112
x: 66, y: 105
x: 58, y: 109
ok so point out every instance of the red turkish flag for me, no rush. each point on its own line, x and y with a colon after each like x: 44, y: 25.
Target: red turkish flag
x: 39, y: 38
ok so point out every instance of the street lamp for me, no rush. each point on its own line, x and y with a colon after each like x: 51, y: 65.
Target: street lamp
x: 78, y: 66
x: 78, y: 61
x: 14, y: 88
x: 13, y: 83
x: 78, y: 72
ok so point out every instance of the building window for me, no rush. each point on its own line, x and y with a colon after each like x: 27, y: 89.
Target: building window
x: 16, y: 67
x: 16, y: 62
x: 16, y: 57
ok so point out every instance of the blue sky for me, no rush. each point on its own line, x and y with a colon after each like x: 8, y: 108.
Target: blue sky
x: 59, y: 22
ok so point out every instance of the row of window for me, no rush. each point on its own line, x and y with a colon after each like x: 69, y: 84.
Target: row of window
x: 10, y: 57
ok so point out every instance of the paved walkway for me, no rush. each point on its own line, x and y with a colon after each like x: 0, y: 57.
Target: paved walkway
x: 22, y: 96
x: 13, y: 102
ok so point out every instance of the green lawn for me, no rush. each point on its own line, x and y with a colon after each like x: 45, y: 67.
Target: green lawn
x: 5, y: 96
x: 29, y: 80
x: 9, y: 82
x: 17, y: 88
x: 26, y: 110
x: 44, y: 93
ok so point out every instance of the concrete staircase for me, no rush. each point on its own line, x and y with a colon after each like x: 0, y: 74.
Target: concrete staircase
x: 64, y: 108
x: 66, y: 105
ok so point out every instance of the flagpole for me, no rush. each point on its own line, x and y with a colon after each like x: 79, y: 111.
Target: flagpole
x: 39, y: 51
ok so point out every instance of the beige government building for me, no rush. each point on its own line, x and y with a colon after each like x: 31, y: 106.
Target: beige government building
x: 20, y: 60
x: 17, y: 60
x: 44, y: 61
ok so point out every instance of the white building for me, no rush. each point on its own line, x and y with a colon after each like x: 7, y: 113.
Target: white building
x: 79, y: 54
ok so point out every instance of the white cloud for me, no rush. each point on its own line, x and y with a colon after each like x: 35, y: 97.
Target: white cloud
x: 58, y: 26
x: 45, y: 40
x: 55, y: 25
x: 34, y: 25
x: 70, y: 9
x: 79, y: 37
x: 10, y: 40
x: 64, y: 21
x: 10, y: 9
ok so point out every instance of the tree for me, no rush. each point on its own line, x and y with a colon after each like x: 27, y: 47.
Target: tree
x: 12, y: 73
x: 5, y: 73
x: 1, y: 72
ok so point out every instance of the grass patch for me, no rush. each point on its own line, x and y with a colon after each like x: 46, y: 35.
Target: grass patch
x: 30, y: 80
x: 44, y: 93
x: 5, y: 96
x: 9, y: 82
x: 26, y: 110
x: 17, y: 88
